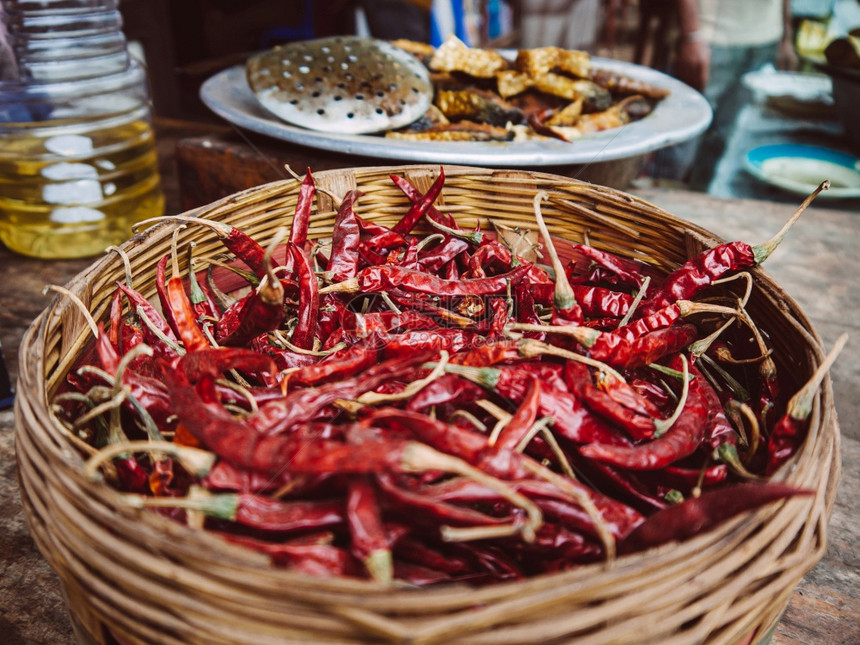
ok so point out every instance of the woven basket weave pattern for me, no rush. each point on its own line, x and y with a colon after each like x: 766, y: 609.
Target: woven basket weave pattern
x: 144, y: 579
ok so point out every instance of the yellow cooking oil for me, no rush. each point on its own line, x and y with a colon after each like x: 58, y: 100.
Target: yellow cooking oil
x: 71, y: 188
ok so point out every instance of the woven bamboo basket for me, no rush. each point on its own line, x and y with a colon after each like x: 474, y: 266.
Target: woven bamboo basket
x: 135, y: 577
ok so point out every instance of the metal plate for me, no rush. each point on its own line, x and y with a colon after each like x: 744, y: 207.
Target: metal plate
x: 683, y: 115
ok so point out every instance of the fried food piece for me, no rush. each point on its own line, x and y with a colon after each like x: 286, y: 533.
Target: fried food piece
x: 620, y: 84
x: 595, y: 98
x: 421, y: 51
x: 510, y: 82
x: 476, y: 105
x: 568, y: 115
x: 432, y: 118
x: 462, y: 131
x: 455, y: 56
x: 542, y: 60
x: 614, y: 117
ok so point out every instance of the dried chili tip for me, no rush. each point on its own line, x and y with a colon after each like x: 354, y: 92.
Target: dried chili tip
x: 800, y: 405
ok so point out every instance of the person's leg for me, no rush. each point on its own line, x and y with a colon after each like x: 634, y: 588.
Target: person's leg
x: 727, y: 96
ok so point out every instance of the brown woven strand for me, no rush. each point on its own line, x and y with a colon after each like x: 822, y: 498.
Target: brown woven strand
x: 143, y: 578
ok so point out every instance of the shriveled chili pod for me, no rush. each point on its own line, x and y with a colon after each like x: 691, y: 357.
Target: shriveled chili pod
x: 305, y: 330
x: 346, y: 237
x: 368, y: 540
x: 683, y: 436
x: 711, y: 264
x: 301, y: 217
x: 696, y: 515
x: 387, y: 277
x: 788, y: 432
x: 420, y: 206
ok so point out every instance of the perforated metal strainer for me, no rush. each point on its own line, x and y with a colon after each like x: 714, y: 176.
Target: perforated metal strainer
x: 346, y: 84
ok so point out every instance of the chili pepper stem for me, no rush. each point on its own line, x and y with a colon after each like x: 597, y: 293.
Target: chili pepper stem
x: 380, y: 565
x: 641, y: 294
x: 473, y: 237
x: 418, y: 457
x: 763, y: 251
x: 197, y: 462
x: 661, y: 426
x: 728, y: 454
x: 347, y: 286
x: 78, y: 303
x: 800, y: 405
x: 563, y: 297
x: 530, y: 348
x: 221, y: 230
x: 755, y: 430
x: 587, y: 504
x: 374, y: 398
x: 126, y: 263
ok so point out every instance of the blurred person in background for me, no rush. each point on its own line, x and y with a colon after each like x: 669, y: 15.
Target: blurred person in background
x: 718, y: 41
x: 392, y: 19
x: 571, y: 24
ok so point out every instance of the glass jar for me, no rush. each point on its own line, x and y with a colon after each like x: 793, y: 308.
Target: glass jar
x: 77, y: 154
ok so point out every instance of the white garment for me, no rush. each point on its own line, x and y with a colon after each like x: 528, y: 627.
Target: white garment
x: 571, y: 24
x: 741, y: 22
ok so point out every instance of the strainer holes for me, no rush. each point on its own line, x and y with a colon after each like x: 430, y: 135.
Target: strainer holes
x: 338, y: 98
x: 359, y: 97
x: 379, y: 111
x: 350, y: 115
x: 300, y: 86
x: 316, y: 95
x: 380, y: 94
x: 320, y: 111
x: 318, y: 79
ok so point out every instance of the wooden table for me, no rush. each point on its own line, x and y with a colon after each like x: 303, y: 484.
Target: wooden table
x: 817, y: 265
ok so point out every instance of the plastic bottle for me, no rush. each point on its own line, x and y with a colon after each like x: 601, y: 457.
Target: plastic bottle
x: 77, y: 155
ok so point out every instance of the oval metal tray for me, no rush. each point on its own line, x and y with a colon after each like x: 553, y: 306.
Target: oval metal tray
x: 681, y: 116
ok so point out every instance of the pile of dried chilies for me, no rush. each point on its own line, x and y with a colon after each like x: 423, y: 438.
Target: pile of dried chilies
x: 436, y: 408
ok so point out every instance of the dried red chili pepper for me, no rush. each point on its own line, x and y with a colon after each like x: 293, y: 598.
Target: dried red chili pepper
x: 346, y: 237
x: 305, y: 330
x: 345, y: 363
x: 522, y: 420
x: 449, y: 388
x: 699, y: 514
x: 384, y: 278
x: 788, y: 432
x: 432, y: 261
x: 711, y: 264
x: 433, y: 511
x: 154, y: 317
x: 368, y: 540
x: 415, y: 196
x: 629, y: 273
x: 571, y: 419
x: 579, y: 382
x: 421, y: 206
x: 489, y: 354
x: 302, y: 215
x: 682, y: 438
x: 260, y: 311
x: 316, y: 559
